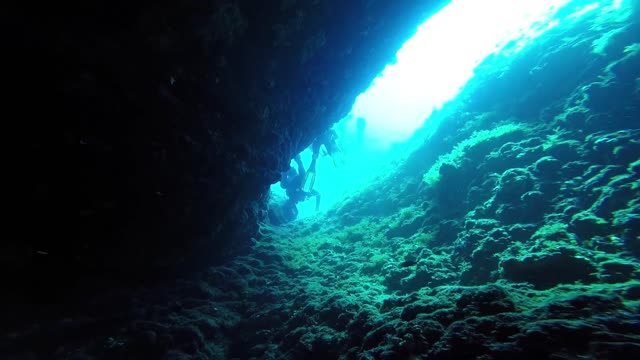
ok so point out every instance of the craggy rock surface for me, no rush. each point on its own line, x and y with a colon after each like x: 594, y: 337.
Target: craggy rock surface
x: 512, y: 230
x: 154, y: 128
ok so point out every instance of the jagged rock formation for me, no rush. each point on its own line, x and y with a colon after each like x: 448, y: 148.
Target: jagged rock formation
x: 155, y: 127
x: 510, y: 230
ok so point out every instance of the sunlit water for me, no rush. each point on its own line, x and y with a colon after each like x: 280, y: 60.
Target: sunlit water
x: 430, y: 70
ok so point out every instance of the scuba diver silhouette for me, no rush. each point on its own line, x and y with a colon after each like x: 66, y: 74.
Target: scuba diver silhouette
x: 292, y: 181
x: 330, y: 141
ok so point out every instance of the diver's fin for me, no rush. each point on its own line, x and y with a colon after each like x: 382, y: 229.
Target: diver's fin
x: 339, y: 160
x: 309, y: 180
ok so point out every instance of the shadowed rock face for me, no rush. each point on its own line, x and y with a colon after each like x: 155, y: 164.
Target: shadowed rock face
x: 512, y: 231
x: 156, y: 127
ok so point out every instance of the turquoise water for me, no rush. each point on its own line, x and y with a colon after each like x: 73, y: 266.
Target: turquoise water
x: 508, y: 226
x: 431, y: 70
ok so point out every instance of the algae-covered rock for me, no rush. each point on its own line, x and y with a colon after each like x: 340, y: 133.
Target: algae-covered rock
x: 618, y: 271
x: 320, y: 341
x: 547, y: 270
x: 484, y: 301
x: 547, y: 166
x: 586, y: 225
x: 513, y: 184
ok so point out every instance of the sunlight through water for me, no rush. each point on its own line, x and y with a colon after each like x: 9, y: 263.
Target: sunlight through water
x: 433, y: 65
x: 430, y: 69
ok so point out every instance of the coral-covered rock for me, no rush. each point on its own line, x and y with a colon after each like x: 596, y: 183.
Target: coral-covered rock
x: 619, y: 271
x: 484, y: 301
x: 586, y: 225
x: 548, y: 270
x: 513, y: 184
x: 547, y: 166
x: 172, y: 120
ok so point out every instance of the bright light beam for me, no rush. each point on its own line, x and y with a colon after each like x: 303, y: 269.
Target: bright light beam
x: 434, y: 64
x: 430, y: 70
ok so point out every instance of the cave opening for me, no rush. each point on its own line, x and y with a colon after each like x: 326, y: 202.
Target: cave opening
x: 429, y: 70
x: 482, y: 200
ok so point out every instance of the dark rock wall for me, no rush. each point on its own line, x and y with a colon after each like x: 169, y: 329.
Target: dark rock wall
x: 512, y: 231
x: 153, y: 129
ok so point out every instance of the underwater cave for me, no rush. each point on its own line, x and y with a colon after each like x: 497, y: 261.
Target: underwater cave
x: 408, y: 179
